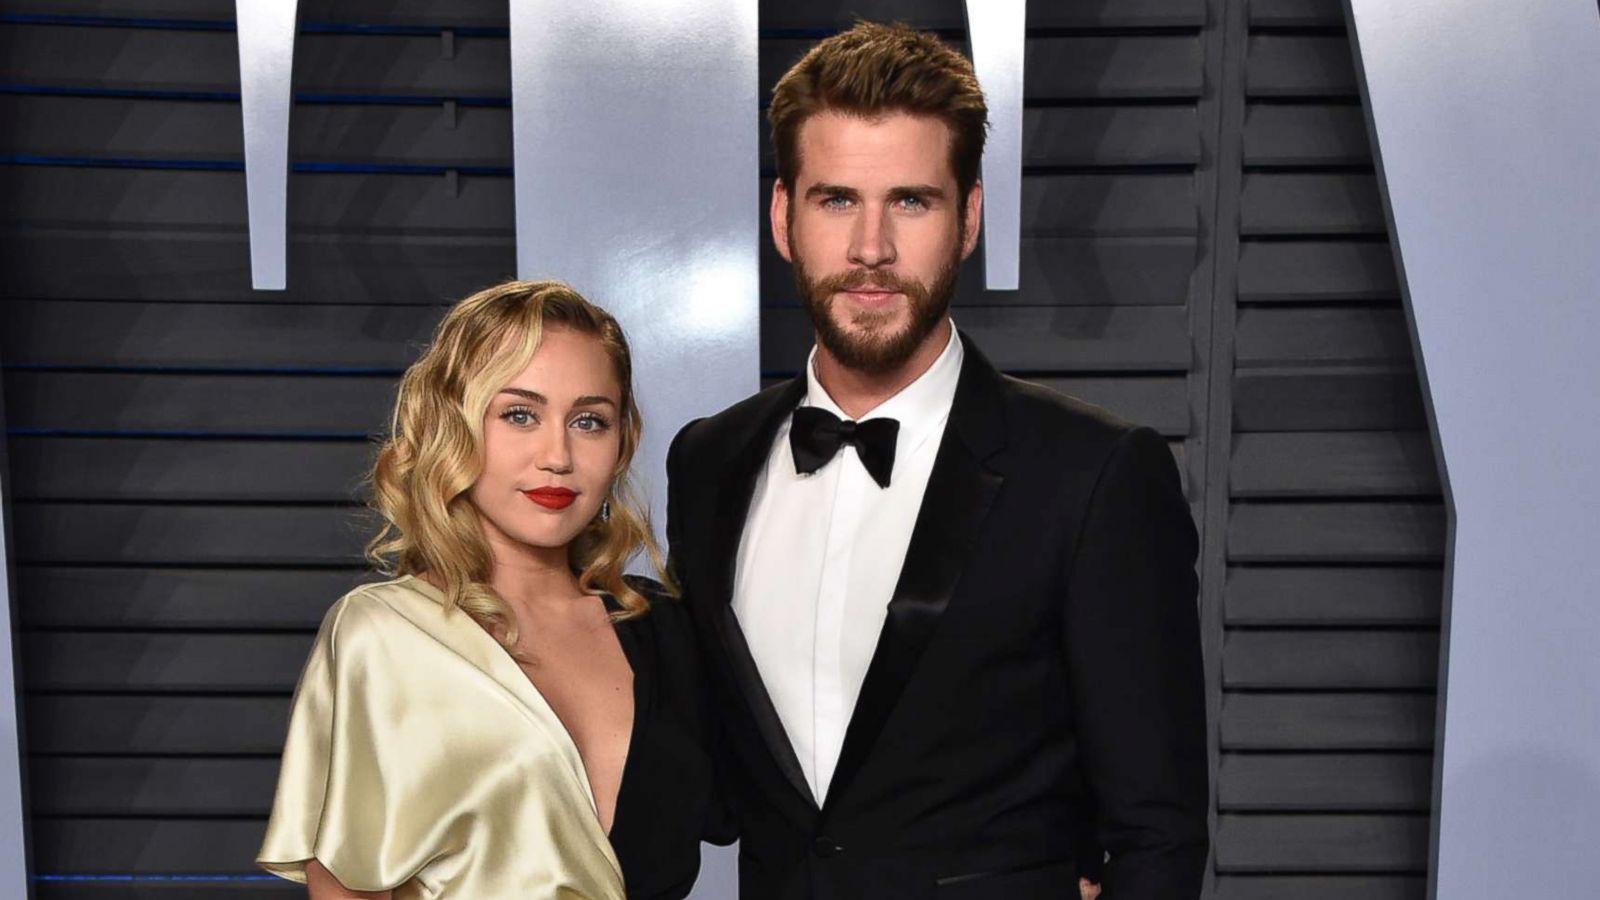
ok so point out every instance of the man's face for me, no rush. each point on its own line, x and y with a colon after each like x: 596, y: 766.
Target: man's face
x: 875, y: 232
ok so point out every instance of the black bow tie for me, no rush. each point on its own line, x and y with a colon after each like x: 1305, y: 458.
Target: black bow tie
x: 816, y: 435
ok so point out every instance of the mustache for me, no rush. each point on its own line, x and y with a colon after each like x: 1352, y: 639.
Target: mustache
x: 867, y: 279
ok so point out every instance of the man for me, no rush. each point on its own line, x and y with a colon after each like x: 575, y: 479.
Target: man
x: 948, y: 615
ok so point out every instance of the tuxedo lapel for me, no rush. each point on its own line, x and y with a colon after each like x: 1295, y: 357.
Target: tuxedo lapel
x: 734, y: 494
x: 961, y: 489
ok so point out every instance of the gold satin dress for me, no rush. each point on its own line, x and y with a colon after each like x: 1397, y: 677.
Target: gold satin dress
x: 420, y: 759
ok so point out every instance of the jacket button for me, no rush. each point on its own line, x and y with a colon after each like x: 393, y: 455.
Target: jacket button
x: 825, y: 847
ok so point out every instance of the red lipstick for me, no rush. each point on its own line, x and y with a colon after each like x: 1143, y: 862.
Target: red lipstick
x: 552, y: 497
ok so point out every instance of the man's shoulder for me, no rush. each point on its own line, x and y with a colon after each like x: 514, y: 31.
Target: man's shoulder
x: 718, y: 429
x: 1039, y: 414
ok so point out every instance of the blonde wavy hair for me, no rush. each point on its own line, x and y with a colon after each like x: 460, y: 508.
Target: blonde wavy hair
x: 433, y: 453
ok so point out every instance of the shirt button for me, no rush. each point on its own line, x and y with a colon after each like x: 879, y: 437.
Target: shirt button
x: 825, y: 847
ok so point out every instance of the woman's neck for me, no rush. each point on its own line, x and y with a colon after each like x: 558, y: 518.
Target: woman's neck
x: 526, y: 576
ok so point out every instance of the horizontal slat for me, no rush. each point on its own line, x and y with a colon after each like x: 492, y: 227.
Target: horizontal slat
x: 1316, y: 271
x: 207, y: 264
x: 1333, y: 464
x: 163, y: 662
x: 1161, y: 403
x: 1291, y: 336
x: 108, y: 597
x: 947, y: 16
x: 1275, y: 721
x: 1052, y: 271
x: 1298, y: 596
x: 154, y: 129
x: 135, y: 724
x: 1300, y: 66
x: 125, y: 534
x: 1321, y: 887
x: 773, y: 13
x: 1310, y: 135
x: 1126, y: 338
x: 1279, y: 204
x: 214, y: 335
x: 226, y: 404
x: 476, y: 66
x: 1330, y: 660
x: 169, y: 469
x: 178, y: 888
x: 1110, y: 135
x: 394, y: 270
x: 77, y: 786
x: 473, y: 136
x: 1296, y: 14
x: 1327, y: 400
x: 1336, y: 532
x: 201, y: 60
x: 160, y: 199
x: 1067, y: 68
x: 141, y: 846
x: 350, y: 405
x: 1367, y: 782
x: 1332, y: 843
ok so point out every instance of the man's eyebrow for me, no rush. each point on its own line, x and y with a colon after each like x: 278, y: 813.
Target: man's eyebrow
x: 831, y: 190
x: 930, y: 191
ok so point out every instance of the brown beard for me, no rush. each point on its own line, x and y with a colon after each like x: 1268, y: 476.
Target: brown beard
x: 873, y: 353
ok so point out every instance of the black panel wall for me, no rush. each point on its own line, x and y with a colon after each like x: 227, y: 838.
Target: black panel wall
x: 1203, y: 251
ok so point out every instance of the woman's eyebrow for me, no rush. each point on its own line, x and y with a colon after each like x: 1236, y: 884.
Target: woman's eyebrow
x: 526, y: 394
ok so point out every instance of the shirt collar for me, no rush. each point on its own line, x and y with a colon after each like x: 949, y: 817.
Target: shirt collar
x: 921, y: 407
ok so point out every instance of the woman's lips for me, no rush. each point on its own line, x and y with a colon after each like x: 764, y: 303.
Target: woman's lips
x: 552, y: 497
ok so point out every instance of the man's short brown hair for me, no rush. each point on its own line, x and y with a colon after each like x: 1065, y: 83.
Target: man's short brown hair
x: 875, y: 69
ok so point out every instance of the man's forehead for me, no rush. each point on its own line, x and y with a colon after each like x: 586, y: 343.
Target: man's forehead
x: 832, y: 141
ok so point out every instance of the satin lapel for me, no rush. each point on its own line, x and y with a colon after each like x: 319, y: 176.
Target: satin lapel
x: 961, y: 490
x: 733, y: 506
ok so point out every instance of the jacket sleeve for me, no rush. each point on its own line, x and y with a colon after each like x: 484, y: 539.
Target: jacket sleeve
x: 720, y: 825
x: 1132, y: 640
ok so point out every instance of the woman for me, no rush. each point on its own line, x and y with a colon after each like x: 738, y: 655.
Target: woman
x: 497, y: 718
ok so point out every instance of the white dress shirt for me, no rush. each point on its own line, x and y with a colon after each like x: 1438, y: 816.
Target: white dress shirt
x: 820, y: 557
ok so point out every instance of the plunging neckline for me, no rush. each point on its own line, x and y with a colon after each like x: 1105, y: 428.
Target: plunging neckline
x: 504, y: 657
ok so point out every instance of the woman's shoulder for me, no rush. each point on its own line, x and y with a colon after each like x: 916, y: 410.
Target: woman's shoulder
x: 381, y: 606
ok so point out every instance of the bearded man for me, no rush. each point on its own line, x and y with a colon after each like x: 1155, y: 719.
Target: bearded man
x: 949, y: 616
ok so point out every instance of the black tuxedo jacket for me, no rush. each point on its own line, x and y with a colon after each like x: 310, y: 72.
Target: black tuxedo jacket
x: 1040, y: 664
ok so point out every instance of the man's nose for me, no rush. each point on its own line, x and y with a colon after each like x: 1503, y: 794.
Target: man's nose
x: 872, y: 241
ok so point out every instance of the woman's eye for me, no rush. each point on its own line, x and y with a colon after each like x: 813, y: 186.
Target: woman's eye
x: 590, y: 422
x: 519, y: 416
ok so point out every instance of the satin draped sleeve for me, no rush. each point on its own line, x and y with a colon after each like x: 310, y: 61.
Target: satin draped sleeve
x: 418, y: 762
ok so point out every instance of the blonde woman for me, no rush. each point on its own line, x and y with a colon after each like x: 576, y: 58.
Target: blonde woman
x: 507, y: 716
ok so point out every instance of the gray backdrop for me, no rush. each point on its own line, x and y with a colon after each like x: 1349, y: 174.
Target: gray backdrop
x: 1203, y: 251
x: 1487, y: 120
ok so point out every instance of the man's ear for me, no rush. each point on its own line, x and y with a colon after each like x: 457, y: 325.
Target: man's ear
x: 779, y: 212
x: 973, y: 220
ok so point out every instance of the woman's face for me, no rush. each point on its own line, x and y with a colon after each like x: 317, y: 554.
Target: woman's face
x: 551, y: 438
